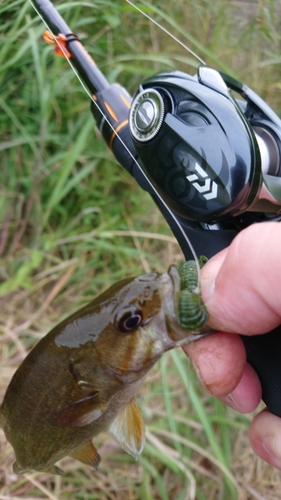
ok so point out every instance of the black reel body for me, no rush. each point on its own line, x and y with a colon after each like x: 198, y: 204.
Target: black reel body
x: 210, y: 157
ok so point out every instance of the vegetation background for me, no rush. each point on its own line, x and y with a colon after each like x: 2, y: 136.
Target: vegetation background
x: 72, y: 222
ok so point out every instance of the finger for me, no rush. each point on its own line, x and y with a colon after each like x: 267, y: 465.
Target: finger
x: 247, y: 394
x: 265, y: 438
x: 219, y: 361
x: 241, y: 285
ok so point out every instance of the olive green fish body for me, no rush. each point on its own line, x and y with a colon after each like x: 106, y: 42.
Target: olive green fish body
x: 53, y: 412
x: 81, y: 378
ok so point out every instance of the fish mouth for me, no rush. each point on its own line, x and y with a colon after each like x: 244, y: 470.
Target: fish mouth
x: 177, y: 334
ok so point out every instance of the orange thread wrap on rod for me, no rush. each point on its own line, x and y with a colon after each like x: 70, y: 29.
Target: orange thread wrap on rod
x: 60, y: 42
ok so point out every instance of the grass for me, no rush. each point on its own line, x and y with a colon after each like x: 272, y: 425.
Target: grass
x: 72, y: 223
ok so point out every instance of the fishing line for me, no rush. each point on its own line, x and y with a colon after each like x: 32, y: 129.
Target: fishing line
x: 151, y: 186
x: 167, y: 32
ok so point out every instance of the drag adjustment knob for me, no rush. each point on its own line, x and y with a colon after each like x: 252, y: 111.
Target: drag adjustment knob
x: 146, y: 115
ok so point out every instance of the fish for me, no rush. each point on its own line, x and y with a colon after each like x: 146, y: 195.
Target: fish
x: 82, y: 377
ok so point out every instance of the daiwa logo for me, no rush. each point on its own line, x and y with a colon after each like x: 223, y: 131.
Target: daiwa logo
x: 209, y: 189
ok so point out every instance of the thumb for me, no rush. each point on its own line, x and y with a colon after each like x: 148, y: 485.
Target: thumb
x: 241, y: 284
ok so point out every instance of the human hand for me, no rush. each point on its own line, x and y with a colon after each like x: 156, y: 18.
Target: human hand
x: 241, y: 289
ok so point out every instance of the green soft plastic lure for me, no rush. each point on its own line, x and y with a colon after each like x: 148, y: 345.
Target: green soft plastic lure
x: 192, y: 311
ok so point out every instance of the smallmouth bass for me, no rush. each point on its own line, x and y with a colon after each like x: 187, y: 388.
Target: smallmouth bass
x: 82, y: 377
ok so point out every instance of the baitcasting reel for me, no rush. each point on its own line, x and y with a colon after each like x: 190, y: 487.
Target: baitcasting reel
x: 213, y: 161
x: 209, y: 157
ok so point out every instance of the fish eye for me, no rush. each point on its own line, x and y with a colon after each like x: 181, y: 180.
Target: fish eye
x: 128, y: 319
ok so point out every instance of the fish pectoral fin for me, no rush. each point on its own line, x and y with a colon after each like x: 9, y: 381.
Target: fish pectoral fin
x: 80, y: 413
x: 128, y: 429
x: 87, y: 454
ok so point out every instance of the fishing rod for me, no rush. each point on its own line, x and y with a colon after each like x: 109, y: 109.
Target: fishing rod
x: 210, y: 162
